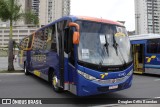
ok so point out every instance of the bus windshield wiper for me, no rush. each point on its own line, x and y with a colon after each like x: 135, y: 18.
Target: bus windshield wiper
x: 115, y: 44
x: 106, y: 46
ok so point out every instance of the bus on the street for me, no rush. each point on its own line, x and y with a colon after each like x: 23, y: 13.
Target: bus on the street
x: 83, y: 55
x: 146, y: 53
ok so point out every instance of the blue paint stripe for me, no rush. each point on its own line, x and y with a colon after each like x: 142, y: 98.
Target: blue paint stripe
x: 152, y: 66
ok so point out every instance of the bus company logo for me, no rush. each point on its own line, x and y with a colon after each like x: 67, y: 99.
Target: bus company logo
x: 113, y: 80
x: 103, y: 75
x: 6, y: 101
x: 122, y: 74
x: 150, y: 58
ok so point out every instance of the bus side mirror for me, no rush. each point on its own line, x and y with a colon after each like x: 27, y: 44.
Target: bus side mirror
x: 76, y: 34
x: 76, y: 37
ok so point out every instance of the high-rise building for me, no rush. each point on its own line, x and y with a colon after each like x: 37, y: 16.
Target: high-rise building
x: 35, y: 7
x: 50, y: 10
x: 147, y: 16
x: 28, y: 5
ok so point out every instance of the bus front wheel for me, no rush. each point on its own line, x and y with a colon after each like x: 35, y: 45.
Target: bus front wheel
x: 55, y: 86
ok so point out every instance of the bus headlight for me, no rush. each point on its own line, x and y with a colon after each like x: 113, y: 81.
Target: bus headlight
x: 85, y: 75
x: 130, y: 73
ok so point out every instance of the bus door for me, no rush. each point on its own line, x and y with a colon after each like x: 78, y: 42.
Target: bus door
x: 139, y: 57
x: 70, y: 69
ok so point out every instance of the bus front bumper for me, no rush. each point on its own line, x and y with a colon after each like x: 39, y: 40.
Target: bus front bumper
x: 87, y: 87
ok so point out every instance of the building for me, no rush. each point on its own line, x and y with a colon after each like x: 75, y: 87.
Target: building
x: 18, y: 34
x: 147, y: 16
x: 46, y: 10
x: 50, y: 10
x: 35, y: 7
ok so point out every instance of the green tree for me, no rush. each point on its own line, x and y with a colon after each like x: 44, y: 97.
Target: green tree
x: 10, y: 10
x: 31, y: 18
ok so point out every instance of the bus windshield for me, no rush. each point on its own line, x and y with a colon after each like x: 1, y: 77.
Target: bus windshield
x: 103, y: 44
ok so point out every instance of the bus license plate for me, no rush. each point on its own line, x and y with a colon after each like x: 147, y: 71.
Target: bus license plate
x: 113, y: 87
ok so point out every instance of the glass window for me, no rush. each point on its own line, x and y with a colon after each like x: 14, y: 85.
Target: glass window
x: 153, y: 46
x: 39, y: 40
x: 26, y: 42
x: 53, y: 40
x: 104, y: 44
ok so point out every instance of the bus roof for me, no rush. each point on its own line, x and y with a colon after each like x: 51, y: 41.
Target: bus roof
x: 99, y: 20
x: 144, y: 36
x: 74, y: 18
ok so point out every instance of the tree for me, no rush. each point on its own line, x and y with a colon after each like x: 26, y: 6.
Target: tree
x: 31, y: 18
x: 10, y: 10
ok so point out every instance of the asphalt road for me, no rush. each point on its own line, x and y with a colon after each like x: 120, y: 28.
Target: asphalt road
x: 17, y: 85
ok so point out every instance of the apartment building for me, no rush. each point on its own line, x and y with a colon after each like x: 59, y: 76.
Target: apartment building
x: 147, y: 16
x: 18, y: 34
x: 50, y: 10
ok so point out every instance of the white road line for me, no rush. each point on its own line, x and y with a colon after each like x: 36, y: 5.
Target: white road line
x: 156, y: 97
x: 157, y: 80
x: 107, y: 105
x: 11, y: 73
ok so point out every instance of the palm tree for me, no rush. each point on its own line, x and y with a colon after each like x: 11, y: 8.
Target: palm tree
x: 31, y: 18
x: 10, y: 10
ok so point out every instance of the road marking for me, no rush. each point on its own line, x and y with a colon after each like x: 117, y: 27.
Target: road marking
x: 156, y: 97
x: 11, y: 73
x: 107, y: 105
x: 157, y: 80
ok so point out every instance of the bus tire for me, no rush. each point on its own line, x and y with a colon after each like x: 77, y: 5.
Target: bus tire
x: 55, y: 86
x: 26, y: 72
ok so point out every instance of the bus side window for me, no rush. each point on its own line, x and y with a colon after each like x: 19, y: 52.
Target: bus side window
x: 152, y: 46
x: 53, y: 39
x: 66, y: 35
x: 158, y: 48
x: 49, y: 33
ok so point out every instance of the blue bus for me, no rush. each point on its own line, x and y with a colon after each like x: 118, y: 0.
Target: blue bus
x: 83, y: 55
x: 146, y: 51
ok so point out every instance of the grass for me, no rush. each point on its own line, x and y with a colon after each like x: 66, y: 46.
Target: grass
x: 16, y: 71
x: 3, y: 53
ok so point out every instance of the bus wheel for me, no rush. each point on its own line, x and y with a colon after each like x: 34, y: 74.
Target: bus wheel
x: 26, y: 70
x: 55, y: 86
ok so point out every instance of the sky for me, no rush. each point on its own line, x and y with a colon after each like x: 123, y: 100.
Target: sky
x: 122, y: 10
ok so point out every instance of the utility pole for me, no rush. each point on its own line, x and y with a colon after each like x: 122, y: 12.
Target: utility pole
x: 137, y: 21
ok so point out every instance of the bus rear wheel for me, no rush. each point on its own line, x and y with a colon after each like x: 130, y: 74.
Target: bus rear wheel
x: 55, y: 86
x: 26, y: 72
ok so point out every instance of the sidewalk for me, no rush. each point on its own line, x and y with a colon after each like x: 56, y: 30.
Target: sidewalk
x: 4, y: 64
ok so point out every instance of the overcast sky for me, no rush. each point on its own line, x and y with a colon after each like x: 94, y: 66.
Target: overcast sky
x: 122, y: 10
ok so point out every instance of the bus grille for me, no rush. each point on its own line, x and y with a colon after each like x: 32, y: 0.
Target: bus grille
x: 111, y: 81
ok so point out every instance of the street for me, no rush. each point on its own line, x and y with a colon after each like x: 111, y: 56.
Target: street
x: 18, y: 85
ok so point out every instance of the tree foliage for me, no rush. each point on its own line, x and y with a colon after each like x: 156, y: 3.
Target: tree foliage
x: 11, y: 10
x: 31, y: 18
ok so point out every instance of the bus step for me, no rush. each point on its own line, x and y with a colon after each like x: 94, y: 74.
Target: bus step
x: 138, y: 72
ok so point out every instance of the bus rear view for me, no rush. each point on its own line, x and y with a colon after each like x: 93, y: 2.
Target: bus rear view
x: 83, y: 55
